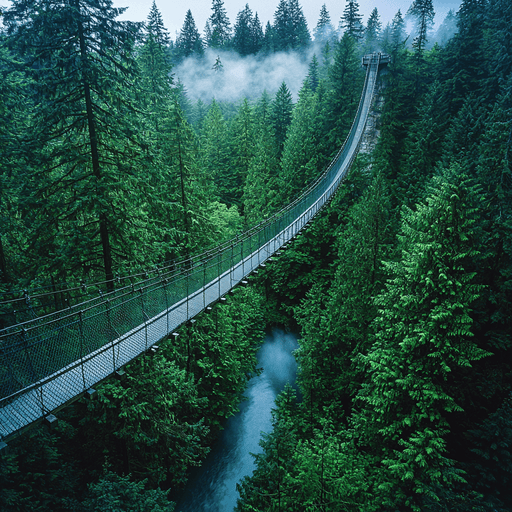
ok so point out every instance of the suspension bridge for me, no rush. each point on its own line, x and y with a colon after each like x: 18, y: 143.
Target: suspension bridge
x: 52, y: 360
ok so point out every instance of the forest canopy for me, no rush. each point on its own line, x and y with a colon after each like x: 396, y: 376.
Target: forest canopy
x: 401, y: 288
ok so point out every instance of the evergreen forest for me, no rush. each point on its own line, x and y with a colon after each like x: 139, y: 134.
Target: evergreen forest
x: 401, y: 288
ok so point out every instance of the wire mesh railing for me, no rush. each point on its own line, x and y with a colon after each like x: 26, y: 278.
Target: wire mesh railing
x: 46, y: 362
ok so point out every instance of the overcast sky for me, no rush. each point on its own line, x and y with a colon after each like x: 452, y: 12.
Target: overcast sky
x: 173, y: 12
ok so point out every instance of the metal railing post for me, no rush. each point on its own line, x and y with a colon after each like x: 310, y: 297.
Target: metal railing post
x: 111, y: 331
x: 81, y: 336
x: 145, y: 317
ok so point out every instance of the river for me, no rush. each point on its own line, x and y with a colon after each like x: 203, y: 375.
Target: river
x: 212, y: 487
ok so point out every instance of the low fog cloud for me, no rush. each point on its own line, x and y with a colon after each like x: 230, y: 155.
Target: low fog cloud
x: 241, y: 76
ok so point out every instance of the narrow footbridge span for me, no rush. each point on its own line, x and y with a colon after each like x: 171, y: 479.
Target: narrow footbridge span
x: 52, y: 360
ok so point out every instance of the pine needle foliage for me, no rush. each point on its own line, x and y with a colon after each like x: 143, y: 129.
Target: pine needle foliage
x: 423, y: 335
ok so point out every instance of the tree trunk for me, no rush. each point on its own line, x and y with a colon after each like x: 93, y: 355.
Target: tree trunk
x: 93, y: 139
x: 4, y: 276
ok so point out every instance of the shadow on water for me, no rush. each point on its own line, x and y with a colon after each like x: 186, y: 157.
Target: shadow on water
x: 212, y: 487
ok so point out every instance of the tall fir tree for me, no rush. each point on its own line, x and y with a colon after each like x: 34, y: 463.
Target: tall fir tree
x: 447, y: 28
x: 81, y: 152
x: 324, y: 31
x: 242, y: 150
x: 215, y: 154
x: 281, y: 115
x: 301, y: 38
x: 372, y: 32
x: 259, y: 187
x: 189, y: 40
x: 290, y: 28
x: 423, y: 341
x: 155, y: 67
x: 281, y: 26
x: 422, y: 12
x: 155, y: 27
x: 343, y: 90
x: 268, y: 39
x: 313, y: 76
x: 351, y: 20
x: 220, y: 26
x: 300, y: 156
x: 243, y: 36
x: 257, y: 36
x: 397, y: 30
x: 423, y: 147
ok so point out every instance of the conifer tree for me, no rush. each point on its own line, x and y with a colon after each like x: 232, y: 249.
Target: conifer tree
x: 215, y: 153
x: 281, y: 115
x: 423, y: 337
x: 220, y: 26
x: 351, y: 20
x: 324, y: 31
x: 397, y: 30
x: 372, y: 32
x: 207, y: 34
x: 81, y: 151
x: 281, y: 27
x: 300, y: 156
x: 423, y: 147
x: 155, y: 67
x: 447, y: 28
x: 290, y: 27
x: 461, y: 144
x: 343, y: 90
x: 242, y: 144
x: 198, y: 113
x: 155, y: 27
x: 263, y: 110
x: 243, y: 36
x: 313, y: 76
x: 269, y: 39
x: 186, y: 190
x: 189, y: 41
x: 218, y: 67
x: 466, y: 51
x: 300, y: 35
x: 257, y: 36
x: 423, y: 13
x: 260, y: 185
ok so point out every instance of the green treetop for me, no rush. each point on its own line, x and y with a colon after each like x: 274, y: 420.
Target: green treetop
x: 324, y: 31
x: 422, y: 12
x: 189, y: 41
x: 372, y: 32
x: 220, y: 26
x: 423, y: 339
x: 351, y: 20
x: 155, y: 27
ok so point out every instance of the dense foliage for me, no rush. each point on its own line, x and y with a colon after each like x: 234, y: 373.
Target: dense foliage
x: 404, y: 359
x: 401, y: 287
x: 107, y: 170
